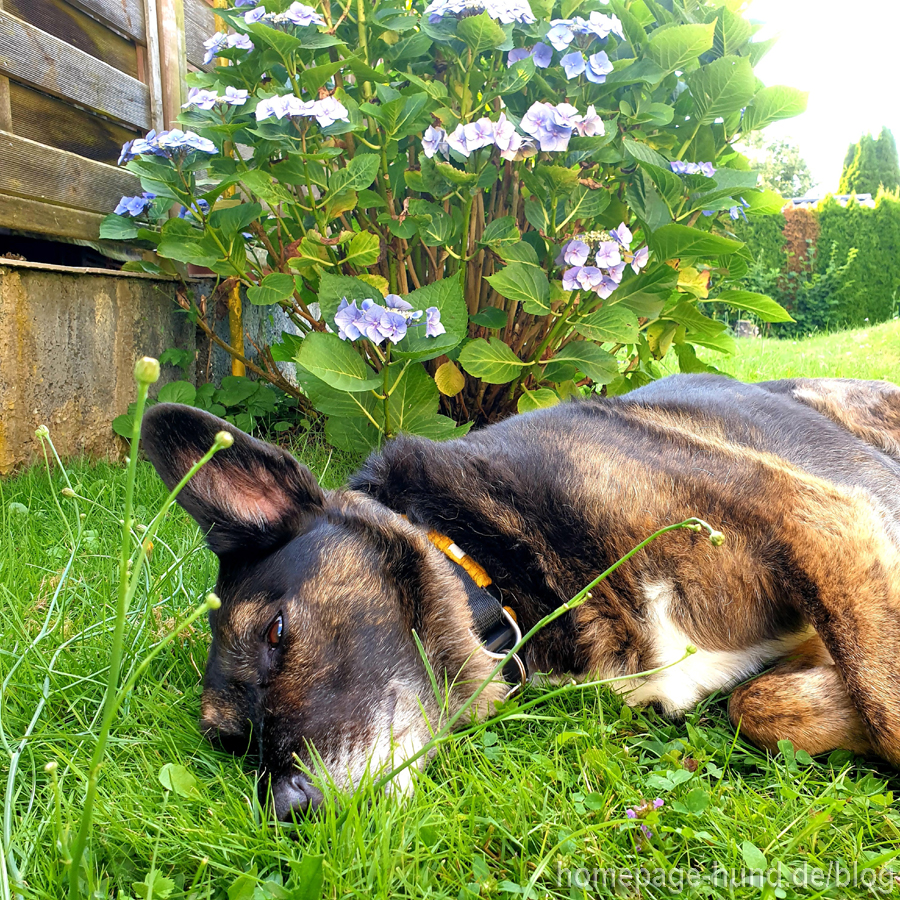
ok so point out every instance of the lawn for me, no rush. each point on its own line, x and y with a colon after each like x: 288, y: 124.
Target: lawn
x: 541, y: 797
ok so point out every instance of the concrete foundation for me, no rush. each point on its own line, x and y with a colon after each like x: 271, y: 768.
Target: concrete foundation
x: 68, y: 342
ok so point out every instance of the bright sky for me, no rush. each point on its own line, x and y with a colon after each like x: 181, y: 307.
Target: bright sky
x: 846, y: 55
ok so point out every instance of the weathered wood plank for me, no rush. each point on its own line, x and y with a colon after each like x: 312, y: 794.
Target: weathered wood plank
x: 199, y: 25
x: 47, y: 120
x: 172, y: 57
x: 126, y: 16
x: 5, y: 109
x: 153, y: 63
x: 46, y: 218
x: 36, y: 172
x: 56, y: 17
x: 29, y: 55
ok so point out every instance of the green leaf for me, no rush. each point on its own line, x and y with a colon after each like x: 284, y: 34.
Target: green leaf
x: 672, y: 48
x: 732, y: 32
x: 676, y: 241
x: 758, y: 304
x: 358, y: 174
x: 645, y: 294
x: 525, y: 284
x: 413, y: 399
x: 771, y: 104
x: 643, y: 197
x: 537, y: 215
x: 697, y: 801
x: 337, y: 363
x: 118, y: 228
x: 352, y: 435
x: 123, y: 425
x: 177, y: 392
x: 543, y: 398
x: 492, y: 362
x: 753, y: 856
x: 174, y: 777
x: 609, y: 325
x: 515, y: 78
x: 630, y: 72
x: 234, y: 218
x: 501, y: 231
x: 452, y: 174
x: 154, y: 885
x: 521, y: 252
x: 722, y: 87
x: 490, y: 317
x: 345, y: 404
x: 243, y: 887
x: 447, y: 296
x: 585, y: 203
x: 363, y: 250
x: 642, y: 153
x: 480, y: 33
x: 582, y: 356
x: 307, y: 878
x: 273, y: 288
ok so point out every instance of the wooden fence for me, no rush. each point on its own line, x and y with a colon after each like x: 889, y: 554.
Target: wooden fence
x: 78, y: 78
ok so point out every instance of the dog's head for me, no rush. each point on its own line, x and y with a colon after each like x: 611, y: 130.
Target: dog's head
x: 314, y: 663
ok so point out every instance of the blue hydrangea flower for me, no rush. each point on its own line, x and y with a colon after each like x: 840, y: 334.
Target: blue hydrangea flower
x: 239, y: 3
x: 598, y: 67
x: 235, y: 96
x: 238, y: 42
x: 605, y: 288
x: 542, y: 55
x: 254, y: 15
x: 396, y: 302
x: 507, y: 139
x: 573, y: 64
x: 547, y: 126
x: 434, y: 141
x: 602, y: 26
x: 197, y: 208
x: 608, y: 255
x: 560, y: 34
x: 738, y: 210
x: 213, y: 46
x: 615, y: 273
x: 457, y: 141
x: 519, y: 53
x: 433, y: 326
x: 134, y: 206
x: 505, y: 11
x: 327, y: 111
x: 691, y: 168
x: 392, y: 325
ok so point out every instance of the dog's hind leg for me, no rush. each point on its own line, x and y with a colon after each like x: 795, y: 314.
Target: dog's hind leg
x: 802, y: 699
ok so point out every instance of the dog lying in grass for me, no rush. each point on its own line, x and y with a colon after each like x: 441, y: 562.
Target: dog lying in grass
x: 330, y: 600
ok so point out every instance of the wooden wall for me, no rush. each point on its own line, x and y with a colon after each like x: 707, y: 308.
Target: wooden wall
x: 78, y: 78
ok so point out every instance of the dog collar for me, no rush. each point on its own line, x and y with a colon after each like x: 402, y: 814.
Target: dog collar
x: 495, y: 624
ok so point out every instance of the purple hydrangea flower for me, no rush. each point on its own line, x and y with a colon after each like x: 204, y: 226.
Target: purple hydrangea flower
x: 272, y: 106
x: 560, y: 34
x: 691, y: 168
x: 616, y: 272
x: 622, y: 235
x: 392, y: 325
x: 548, y: 125
x: 598, y: 67
x: 201, y: 98
x: 606, y: 287
x: 602, y: 26
x: 254, y: 15
x: 608, y: 255
x: 567, y: 116
x: 679, y: 167
x: 239, y: 3
x: 591, y: 125
x: 505, y: 11
x: 574, y: 253
x: 433, y: 326
x: 479, y: 134
x: 346, y: 319
x: 518, y: 54
x: 507, y: 139
x: 126, y: 155
x: 302, y: 15
x: 235, y: 96
x: 134, y: 206
x: 395, y: 301
x: 707, y: 169
x: 457, y: 141
x: 238, y: 42
x: 573, y: 64
x: 639, y: 260
x: 434, y: 141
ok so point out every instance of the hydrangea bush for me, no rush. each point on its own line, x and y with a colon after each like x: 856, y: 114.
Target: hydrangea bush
x: 467, y: 207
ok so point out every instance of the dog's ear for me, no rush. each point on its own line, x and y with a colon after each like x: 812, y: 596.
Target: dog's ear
x: 250, y: 497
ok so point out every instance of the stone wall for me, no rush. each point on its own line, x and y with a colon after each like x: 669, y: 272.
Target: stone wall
x: 68, y: 342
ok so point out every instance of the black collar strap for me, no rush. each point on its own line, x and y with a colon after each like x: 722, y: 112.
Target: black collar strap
x: 495, y: 624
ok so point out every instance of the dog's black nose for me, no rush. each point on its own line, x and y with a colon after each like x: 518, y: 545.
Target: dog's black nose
x: 294, y: 797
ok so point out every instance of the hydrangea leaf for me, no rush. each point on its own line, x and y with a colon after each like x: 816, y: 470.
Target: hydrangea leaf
x: 582, y: 356
x: 447, y: 296
x: 539, y: 399
x: 758, y: 304
x: 525, y: 284
x: 673, y: 48
x: 274, y: 288
x: 336, y: 363
x: 492, y: 361
x: 614, y: 324
x: 480, y: 33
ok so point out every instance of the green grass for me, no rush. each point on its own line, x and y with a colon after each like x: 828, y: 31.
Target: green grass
x: 872, y: 353
x: 545, y: 789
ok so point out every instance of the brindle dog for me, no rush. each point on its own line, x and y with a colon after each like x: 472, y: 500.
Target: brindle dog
x: 321, y: 592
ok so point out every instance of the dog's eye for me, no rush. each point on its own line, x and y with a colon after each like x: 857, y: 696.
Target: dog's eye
x: 275, y: 631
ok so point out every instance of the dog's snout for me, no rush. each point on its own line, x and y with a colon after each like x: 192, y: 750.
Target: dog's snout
x: 294, y: 797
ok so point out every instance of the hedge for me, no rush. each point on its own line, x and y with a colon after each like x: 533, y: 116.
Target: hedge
x: 811, y: 251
